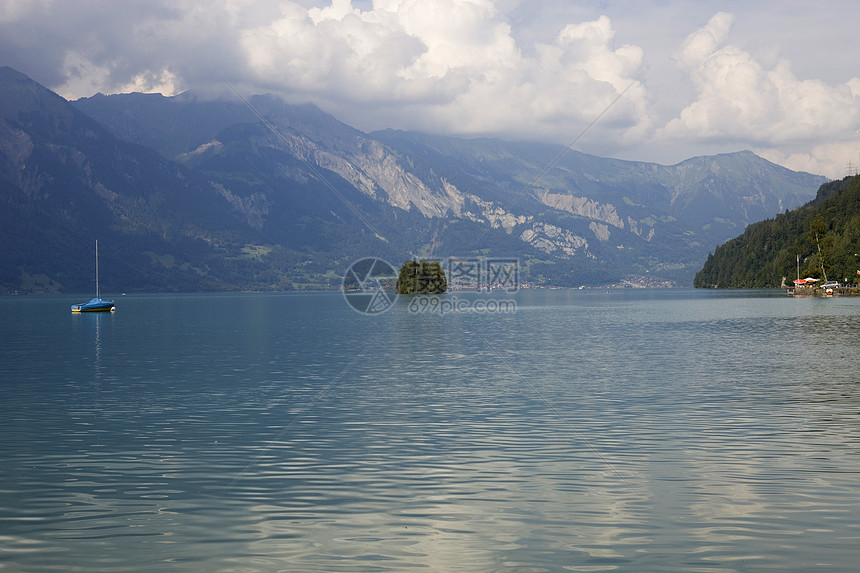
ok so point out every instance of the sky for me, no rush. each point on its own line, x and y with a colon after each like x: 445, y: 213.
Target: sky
x: 642, y: 80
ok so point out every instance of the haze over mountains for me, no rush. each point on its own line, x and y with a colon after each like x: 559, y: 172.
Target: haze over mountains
x: 194, y: 195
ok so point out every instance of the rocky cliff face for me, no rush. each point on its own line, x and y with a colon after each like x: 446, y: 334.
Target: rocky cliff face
x: 629, y: 210
x: 308, y: 192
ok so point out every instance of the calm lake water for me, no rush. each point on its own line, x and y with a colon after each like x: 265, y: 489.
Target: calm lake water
x: 638, y: 430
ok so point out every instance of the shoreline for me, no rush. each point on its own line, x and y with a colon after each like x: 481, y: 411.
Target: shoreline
x: 818, y: 291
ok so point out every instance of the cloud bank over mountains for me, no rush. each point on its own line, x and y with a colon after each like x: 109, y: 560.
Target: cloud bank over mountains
x: 661, y: 89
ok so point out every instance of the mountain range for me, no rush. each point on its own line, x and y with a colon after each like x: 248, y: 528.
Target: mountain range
x: 187, y: 194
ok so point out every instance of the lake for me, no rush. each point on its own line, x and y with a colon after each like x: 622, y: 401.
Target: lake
x: 632, y: 430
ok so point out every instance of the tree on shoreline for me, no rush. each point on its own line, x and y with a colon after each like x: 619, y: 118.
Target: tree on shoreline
x: 816, y: 235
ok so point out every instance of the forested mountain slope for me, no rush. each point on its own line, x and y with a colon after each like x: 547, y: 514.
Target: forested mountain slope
x: 824, y: 234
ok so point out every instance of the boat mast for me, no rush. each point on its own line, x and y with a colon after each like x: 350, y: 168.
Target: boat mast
x: 97, y: 268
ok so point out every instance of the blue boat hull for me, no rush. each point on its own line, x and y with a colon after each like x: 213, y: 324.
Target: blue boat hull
x: 94, y: 305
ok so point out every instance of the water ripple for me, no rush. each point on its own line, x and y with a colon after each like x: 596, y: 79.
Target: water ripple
x: 632, y: 431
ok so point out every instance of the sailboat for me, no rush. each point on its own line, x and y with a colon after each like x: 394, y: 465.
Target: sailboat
x: 97, y: 304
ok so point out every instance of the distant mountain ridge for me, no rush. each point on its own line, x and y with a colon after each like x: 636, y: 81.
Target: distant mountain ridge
x: 444, y: 174
x: 235, y: 202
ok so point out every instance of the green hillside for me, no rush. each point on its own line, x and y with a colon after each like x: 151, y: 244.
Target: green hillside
x: 824, y: 234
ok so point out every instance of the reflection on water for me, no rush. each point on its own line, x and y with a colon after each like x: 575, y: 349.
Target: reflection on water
x: 644, y: 431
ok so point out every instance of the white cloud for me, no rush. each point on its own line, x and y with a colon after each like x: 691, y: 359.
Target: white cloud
x: 82, y: 76
x: 343, y: 54
x: 834, y: 160
x: 702, y: 44
x: 15, y: 10
x: 740, y: 100
x: 449, y: 65
x: 480, y: 67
